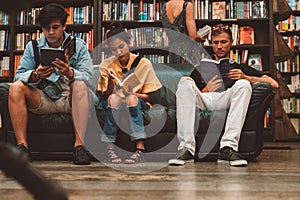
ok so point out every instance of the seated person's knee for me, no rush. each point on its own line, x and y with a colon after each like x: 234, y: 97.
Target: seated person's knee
x: 132, y: 100
x: 79, y: 88
x: 114, y: 100
x: 17, y: 87
x: 186, y: 78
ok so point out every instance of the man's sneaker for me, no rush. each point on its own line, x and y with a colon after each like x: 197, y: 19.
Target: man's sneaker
x: 183, y: 156
x: 81, y: 156
x: 24, y: 150
x: 231, y: 157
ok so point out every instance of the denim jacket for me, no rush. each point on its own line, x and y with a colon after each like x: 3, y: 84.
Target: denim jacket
x: 80, y: 63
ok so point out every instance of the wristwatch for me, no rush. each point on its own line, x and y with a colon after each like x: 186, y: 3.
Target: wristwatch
x: 35, y: 75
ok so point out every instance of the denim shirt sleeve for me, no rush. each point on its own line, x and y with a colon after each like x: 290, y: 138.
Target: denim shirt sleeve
x: 81, y: 62
x: 27, y: 65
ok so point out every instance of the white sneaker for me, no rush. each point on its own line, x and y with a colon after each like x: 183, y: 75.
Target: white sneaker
x: 182, y: 157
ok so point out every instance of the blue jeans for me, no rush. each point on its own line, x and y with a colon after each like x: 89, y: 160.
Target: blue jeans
x: 113, y: 118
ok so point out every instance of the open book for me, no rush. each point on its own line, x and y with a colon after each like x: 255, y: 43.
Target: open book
x: 129, y: 82
x: 204, y: 31
x: 48, y: 55
x: 209, y: 68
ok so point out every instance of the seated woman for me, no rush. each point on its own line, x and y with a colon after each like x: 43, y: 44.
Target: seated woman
x: 132, y: 97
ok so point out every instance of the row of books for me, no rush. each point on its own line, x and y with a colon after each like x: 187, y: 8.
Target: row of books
x: 3, y: 18
x: 88, y: 37
x: 291, y: 105
x: 156, y: 37
x: 80, y: 15
x: 4, y: 66
x: 77, y: 15
x: 242, y: 34
x: 292, y: 41
x: 294, y: 4
x: 148, y: 36
x: 294, y: 83
x: 205, y: 9
x: 289, y: 65
x: 154, y: 58
x: 145, y: 37
x: 117, y: 10
x: 4, y: 40
x: 23, y: 38
x: 157, y: 58
x: 17, y: 59
x: 290, y: 24
x: 243, y: 56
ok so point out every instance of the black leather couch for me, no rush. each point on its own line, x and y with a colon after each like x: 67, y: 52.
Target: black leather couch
x: 53, y: 134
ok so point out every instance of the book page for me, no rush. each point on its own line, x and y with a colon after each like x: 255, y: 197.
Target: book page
x: 208, y: 69
x: 70, y: 45
x: 129, y: 82
x: 204, y: 31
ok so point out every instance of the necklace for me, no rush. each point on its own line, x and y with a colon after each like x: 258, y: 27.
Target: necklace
x: 124, y: 70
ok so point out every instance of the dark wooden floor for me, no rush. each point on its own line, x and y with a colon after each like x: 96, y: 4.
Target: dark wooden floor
x: 275, y: 175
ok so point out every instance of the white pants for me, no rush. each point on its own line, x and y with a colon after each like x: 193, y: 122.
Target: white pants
x: 190, y: 101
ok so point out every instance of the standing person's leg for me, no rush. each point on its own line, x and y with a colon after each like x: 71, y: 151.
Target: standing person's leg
x: 137, y: 128
x: 21, y: 97
x: 80, y: 103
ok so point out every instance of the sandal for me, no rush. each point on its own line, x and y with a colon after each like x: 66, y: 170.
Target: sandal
x: 112, y: 157
x: 136, y: 157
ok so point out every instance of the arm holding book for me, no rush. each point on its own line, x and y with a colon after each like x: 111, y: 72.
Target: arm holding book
x: 191, y: 25
x: 213, y: 84
x: 236, y: 74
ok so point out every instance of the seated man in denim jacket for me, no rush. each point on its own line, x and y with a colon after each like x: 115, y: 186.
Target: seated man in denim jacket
x: 60, y: 88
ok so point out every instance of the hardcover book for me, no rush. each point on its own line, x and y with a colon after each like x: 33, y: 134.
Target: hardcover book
x: 246, y: 35
x: 219, y: 10
x: 259, y: 9
x: 209, y: 68
x: 48, y: 55
x: 204, y: 31
x: 254, y: 61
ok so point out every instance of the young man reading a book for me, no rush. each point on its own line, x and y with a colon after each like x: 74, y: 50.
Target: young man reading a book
x: 59, y: 88
x: 194, y: 94
x: 130, y: 95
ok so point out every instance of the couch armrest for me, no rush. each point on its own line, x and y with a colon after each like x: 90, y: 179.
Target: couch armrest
x: 6, y: 124
x: 262, y: 95
x: 260, y: 100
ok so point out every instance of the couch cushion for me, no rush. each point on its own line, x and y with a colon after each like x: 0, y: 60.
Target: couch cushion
x: 169, y: 76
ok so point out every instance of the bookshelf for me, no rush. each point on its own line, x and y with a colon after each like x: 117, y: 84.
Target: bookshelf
x: 290, y: 69
x: 4, y: 45
x: 128, y: 12
x: 22, y: 27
